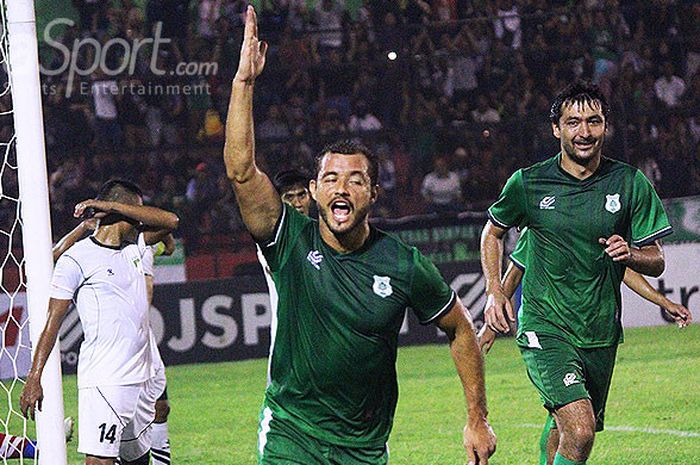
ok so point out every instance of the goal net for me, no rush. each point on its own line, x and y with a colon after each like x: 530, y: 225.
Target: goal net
x: 25, y: 243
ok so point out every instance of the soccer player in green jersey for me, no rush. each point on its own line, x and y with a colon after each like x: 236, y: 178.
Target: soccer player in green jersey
x: 343, y: 288
x: 510, y: 282
x: 589, y: 218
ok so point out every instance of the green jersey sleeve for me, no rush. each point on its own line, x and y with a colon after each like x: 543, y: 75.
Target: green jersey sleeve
x: 430, y: 296
x: 649, y: 219
x: 510, y: 209
x: 518, y: 255
x: 289, y: 227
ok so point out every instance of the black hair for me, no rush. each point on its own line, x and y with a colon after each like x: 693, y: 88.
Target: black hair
x: 350, y: 147
x: 119, y: 190
x: 578, y: 92
x: 285, y: 180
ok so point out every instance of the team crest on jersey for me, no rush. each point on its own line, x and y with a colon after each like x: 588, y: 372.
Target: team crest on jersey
x: 612, y: 203
x: 382, y: 286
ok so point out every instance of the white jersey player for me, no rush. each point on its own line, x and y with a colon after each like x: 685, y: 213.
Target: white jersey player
x: 103, y: 274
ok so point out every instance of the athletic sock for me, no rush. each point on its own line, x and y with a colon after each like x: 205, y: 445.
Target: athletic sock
x: 560, y: 460
x: 544, y: 439
x: 14, y: 447
x: 160, y: 445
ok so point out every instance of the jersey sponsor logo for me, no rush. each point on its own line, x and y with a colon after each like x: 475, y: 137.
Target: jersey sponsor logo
x: 315, y: 258
x: 612, y: 203
x: 570, y: 378
x: 382, y: 286
x: 110, y: 272
x: 547, y: 202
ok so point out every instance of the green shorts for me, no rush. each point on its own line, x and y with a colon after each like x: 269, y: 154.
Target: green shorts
x: 563, y: 373
x: 281, y: 443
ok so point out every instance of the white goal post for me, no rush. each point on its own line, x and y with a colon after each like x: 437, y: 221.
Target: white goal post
x: 34, y: 203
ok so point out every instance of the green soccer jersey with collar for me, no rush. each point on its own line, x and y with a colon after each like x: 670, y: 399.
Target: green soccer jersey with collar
x: 570, y: 286
x: 333, y: 355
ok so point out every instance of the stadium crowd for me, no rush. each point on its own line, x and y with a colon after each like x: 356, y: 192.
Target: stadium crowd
x: 452, y: 94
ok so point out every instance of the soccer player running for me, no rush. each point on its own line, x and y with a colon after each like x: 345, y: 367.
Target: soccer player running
x: 104, y: 275
x: 589, y: 218
x: 343, y: 288
x: 511, y: 280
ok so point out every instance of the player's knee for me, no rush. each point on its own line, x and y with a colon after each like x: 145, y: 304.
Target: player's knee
x: 94, y: 460
x: 162, y: 411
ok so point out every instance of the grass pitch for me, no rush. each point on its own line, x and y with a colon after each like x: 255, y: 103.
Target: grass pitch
x: 653, y: 414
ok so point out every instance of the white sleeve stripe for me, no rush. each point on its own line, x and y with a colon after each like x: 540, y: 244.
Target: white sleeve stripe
x: 443, y: 310
x: 495, y: 221
x: 660, y: 233
x: 517, y: 263
x: 279, y: 228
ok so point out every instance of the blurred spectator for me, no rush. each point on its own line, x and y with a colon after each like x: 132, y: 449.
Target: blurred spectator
x: 507, y: 26
x: 441, y: 188
x: 669, y: 88
x: 105, y: 92
x: 362, y: 120
x: 483, y: 113
x: 274, y: 126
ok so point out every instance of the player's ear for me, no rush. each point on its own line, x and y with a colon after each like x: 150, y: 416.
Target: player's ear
x: 374, y: 193
x: 556, y: 130
x: 312, y: 189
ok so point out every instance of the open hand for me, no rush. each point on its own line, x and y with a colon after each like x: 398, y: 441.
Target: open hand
x: 252, y: 60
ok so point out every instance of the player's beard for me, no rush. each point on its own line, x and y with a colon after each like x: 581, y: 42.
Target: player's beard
x: 594, y: 153
x: 346, y: 229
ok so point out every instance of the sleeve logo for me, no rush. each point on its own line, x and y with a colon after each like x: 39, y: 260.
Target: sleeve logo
x: 382, y: 286
x: 612, y: 203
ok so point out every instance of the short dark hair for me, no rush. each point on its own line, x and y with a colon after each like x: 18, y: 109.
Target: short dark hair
x: 350, y: 147
x: 285, y: 180
x: 579, y: 92
x: 119, y: 190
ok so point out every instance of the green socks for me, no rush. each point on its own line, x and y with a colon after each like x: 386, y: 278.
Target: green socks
x: 559, y: 460
x: 545, y: 438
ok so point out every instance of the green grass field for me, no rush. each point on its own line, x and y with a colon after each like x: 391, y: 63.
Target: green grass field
x: 215, y: 407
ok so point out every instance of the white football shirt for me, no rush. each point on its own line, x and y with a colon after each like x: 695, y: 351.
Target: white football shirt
x: 148, y: 268
x: 108, y: 288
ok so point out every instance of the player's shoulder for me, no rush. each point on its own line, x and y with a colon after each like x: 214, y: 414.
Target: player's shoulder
x: 542, y: 167
x: 81, y: 250
x: 392, y: 246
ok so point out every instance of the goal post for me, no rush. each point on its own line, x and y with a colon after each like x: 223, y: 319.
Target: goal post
x: 34, y: 212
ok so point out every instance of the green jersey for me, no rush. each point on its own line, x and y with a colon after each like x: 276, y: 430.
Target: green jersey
x: 335, y: 332
x: 570, y: 286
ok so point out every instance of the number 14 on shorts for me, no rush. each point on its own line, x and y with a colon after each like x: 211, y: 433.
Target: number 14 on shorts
x: 108, y: 434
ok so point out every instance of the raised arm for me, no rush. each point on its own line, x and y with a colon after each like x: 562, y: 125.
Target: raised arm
x: 157, y: 223
x: 259, y: 203
x: 644, y: 289
x: 67, y: 241
x: 497, y: 303
x: 479, y: 439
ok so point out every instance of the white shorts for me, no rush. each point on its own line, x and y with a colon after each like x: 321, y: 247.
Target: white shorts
x: 115, y: 421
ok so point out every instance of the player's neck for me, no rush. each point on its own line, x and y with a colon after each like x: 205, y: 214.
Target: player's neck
x: 111, y: 235
x: 578, y: 168
x: 347, y: 242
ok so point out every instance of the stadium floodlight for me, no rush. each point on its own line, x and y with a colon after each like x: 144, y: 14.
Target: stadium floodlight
x: 34, y: 217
